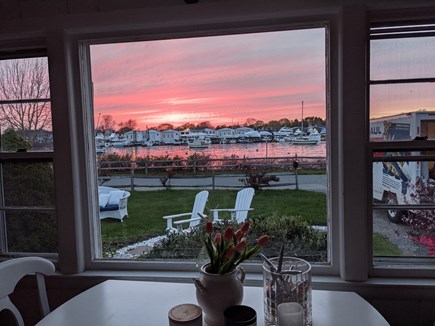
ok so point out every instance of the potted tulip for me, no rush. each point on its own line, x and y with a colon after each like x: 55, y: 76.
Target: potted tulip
x: 221, y: 281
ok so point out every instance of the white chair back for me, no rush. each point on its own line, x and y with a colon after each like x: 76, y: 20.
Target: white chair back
x: 243, y: 203
x: 198, y: 207
x: 12, y: 271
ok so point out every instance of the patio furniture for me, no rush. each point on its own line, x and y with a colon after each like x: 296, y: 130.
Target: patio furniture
x: 12, y: 271
x: 195, y: 215
x: 113, y: 202
x: 241, y: 208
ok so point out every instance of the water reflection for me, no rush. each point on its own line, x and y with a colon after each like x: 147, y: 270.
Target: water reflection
x: 253, y: 150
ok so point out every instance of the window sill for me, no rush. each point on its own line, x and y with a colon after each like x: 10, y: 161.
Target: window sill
x: 333, y: 283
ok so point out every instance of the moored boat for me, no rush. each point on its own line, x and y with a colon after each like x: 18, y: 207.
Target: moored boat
x: 311, y: 138
x: 198, y: 143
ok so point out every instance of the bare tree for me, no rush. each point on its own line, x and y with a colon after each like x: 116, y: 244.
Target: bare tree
x: 165, y: 126
x: 25, y: 96
x: 204, y: 125
x: 127, y: 126
x: 250, y: 122
x: 107, y: 123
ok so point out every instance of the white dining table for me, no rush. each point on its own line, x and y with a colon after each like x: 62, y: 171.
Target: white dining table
x: 134, y: 303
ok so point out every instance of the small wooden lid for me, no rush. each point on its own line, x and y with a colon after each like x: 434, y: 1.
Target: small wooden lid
x: 185, y: 313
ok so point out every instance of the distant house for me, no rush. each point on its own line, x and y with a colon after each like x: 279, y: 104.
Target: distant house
x: 38, y: 136
x: 154, y: 136
x: 225, y: 133
x: 241, y: 132
x: 170, y: 136
x: 210, y: 133
x: 189, y: 135
x: 134, y: 136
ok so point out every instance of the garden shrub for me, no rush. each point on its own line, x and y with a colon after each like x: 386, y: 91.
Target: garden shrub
x: 108, y: 164
x: 421, y: 221
x: 297, y: 236
x: 178, y: 245
x: 257, y: 178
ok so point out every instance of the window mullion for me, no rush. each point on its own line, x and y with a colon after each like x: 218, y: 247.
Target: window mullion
x: 353, y: 217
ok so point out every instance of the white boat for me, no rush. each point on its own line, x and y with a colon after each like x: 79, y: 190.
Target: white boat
x: 100, y: 150
x: 312, y: 138
x: 198, y: 143
x: 119, y: 143
x: 148, y: 143
x: 305, y: 140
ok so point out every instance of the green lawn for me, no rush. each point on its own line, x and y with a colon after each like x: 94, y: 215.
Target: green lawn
x: 383, y: 247
x: 146, y: 208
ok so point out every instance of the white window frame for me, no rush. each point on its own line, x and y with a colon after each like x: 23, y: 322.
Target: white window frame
x: 83, y: 45
x: 22, y: 52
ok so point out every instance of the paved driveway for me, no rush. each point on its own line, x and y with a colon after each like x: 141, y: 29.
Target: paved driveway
x: 286, y: 181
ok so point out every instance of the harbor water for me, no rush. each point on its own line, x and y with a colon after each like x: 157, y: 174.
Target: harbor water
x: 217, y: 151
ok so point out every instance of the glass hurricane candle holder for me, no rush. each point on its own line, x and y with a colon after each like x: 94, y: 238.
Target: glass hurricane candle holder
x: 291, y: 284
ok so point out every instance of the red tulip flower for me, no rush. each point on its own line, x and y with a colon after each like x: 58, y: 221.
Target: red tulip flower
x: 238, y: 235
x: 228, y: 235
x: 209, y: 227
x: 218, y: 238
x: 230, y: 252
x: 263, y: 240
x: 245, y: 227
x: 241, y: 246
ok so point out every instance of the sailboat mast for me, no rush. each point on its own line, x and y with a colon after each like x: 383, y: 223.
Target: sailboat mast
x: 302, y: 122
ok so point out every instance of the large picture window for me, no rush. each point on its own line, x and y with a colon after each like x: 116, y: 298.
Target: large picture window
x: 177, y: 117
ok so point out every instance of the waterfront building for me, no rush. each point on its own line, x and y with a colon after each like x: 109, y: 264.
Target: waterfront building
x: 154, y: 136
x: 226, y: 135
x: 170, y: 137
x: 242, y: 131
x: 134, y: 137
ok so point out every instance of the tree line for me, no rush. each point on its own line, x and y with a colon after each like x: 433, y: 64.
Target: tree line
x: 106, y: 124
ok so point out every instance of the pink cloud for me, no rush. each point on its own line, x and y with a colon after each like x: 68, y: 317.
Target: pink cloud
x: 221, y: 79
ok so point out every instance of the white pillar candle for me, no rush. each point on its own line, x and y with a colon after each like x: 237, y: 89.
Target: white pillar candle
x: 290, y: 314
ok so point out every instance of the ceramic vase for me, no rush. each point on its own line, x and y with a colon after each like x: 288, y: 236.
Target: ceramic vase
x: 216, y: 292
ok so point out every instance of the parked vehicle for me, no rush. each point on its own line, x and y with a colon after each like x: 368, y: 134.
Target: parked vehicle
x: 401, y: 182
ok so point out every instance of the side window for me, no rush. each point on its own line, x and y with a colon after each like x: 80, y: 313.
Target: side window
x: 402, y: 135
x: 27, y: 209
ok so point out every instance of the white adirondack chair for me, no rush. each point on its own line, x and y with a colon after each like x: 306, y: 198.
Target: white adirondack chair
x: 195, y: 215
x: 11, y: 271
x: 240, y: 211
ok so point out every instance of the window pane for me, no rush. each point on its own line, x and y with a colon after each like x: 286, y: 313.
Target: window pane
x: 397, y: 231
x: 31, y: 232
x: 402, y: 58
x: 219, y: 114
x: 414, y: 237
x: 25, y: 104
x: 28, y: 184
x: 401, y: 98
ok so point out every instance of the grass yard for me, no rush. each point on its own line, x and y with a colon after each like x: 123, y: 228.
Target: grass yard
x: 146, y: 208
x: 383, y: 247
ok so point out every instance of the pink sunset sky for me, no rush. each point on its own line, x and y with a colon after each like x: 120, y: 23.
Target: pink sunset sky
x: 226, y: 79
x: 221, y: 79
